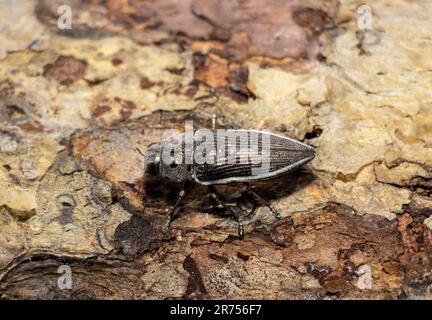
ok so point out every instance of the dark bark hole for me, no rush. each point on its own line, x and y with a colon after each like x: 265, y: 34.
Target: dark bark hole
x: 66, y: 205
x: 65, y: 201
x: 315, y: 133
x: 14, y: 112
x: 242, y: 256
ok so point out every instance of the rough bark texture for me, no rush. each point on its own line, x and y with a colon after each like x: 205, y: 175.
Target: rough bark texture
x: 75, y: 105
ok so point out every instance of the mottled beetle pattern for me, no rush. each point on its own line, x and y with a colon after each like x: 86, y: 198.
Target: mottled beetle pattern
x: 283, y: 155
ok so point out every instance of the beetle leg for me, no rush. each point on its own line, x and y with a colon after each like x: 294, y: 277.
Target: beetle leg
x: 220, y: 205
x: 217, y: 200
x: 264, y: 202
x: 166, y: 226
x: 216, y: 197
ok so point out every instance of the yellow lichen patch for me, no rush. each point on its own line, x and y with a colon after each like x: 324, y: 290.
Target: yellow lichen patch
x: 12, y: 238
x: 21, y: 170
x: 367, y: 196
x: 20, y: 29
x: 399, y: 175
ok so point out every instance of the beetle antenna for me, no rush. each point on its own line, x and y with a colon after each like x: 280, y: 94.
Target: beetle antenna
x: 139, y: 151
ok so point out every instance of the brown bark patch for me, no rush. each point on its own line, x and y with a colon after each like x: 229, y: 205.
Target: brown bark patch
x: 195, y: 288
x: 65, y: 70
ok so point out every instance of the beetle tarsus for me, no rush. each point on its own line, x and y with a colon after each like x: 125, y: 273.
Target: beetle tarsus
x: 275, y: 212
x: 240, y: 228
x: 167, y: 226
x: 263, y: 202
